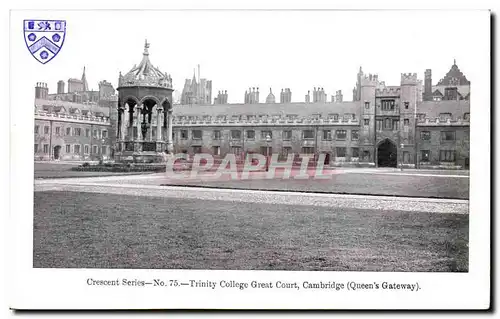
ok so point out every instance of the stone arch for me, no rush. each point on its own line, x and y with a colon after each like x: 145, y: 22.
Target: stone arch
x: 130, y: 98
x: 150, y: 98
x: 387, y: 153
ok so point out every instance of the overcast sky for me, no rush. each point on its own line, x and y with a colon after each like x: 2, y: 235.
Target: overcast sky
x: 241, y: 49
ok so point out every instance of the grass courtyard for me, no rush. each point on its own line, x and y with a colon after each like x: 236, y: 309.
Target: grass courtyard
x: 91, y: 230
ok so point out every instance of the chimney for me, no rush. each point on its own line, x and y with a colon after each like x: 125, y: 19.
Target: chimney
x: 428, y: 85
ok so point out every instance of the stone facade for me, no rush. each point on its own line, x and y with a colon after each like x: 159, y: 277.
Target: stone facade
x: 83, y: 134
x: 403, y: 125
x: 381, y: 127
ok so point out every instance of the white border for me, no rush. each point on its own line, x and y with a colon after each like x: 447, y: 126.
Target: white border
x: 52, y: 286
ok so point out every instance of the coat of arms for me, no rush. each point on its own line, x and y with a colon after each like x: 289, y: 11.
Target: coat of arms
x: 44, y: 38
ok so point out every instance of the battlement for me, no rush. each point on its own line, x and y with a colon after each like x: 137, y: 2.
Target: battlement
x: 409, y: 78
x: 388, y: 92
x: 369, y: 80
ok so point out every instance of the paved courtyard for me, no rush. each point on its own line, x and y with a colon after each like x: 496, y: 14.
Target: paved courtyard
x: 135, y: 222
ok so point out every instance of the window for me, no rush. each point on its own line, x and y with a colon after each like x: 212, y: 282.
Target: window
x: 447, y: 136
x: 94, y: 149
x: 76, y: 149
x: 58, y: 130
x: 77, y: 131
x: 197, y: 134
x: 46, y: 148
x: 307, y: 134
x: 327, y: 135
x: 450, y: 93
x: 340, y: 134
x: 406, y: 157
x: 447, y: 156
x: 355, y: 135
x: 37, y: 129
x: 285, y: 151
x: 333, y: 116
x: 250, y: 134
x: 406, y: 122
x: 104, y: 150
x: 266, y: 150
x: 444, y: 116
x: 378, y: 123
x: 388, y: 105
x: 355, y: 152
x: 366, y: 122
x: 407, y: 104
x: 340, y: 151
x: 184, y: 134
x: 105, y: 133
x: 425, y: 156
x: 68, y: 148
x: 366, y: 155
x: 308, y: 150
x: 45, y: 130
x: 87, y: 132
x: 95, y: 133
x: 196, y: 149
x: 217, y: 135
x: 349, y: 116
x: 467, y: 116
x: 367, y: 105
x: 216, y: 150
x: 266, y: 134
x: 86, y: 149
x: 36, y: 148
x: 287, y: 135
x: 395, y: 125
x: 388, y: 124
x: 68, y: 131
x: 235, y: 135
x: 425, y: 135
x: 236, y: 150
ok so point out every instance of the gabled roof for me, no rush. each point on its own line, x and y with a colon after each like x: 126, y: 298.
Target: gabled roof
x: 59, y: 109
x: 437, y: 93
x: 74, y: 110
x: 454, y: 77
x: 432, y: 109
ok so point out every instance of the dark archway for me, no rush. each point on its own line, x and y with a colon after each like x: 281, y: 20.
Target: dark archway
x: 57, y: 151
x: 387, y: 154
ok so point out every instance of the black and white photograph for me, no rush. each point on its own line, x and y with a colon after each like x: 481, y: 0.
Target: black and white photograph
x: 252, y: 153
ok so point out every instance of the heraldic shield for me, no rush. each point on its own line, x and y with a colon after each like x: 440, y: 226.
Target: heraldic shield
x: 44, y: 38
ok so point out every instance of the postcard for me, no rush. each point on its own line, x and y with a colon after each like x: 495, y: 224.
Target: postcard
x: 249, y: 159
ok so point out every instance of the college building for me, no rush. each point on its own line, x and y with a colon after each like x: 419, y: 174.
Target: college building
x: 412, y: 124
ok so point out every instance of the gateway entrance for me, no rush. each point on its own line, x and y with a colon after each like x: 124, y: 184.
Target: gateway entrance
x: 387, y: 154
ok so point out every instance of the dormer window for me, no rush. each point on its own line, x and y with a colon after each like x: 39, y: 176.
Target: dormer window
x: 450, y: 93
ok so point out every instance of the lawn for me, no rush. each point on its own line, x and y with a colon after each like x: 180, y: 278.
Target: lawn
x: 363, y: 184
x: 88, y: 230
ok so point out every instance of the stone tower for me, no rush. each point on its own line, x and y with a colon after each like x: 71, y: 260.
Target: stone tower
x: 144, y: 125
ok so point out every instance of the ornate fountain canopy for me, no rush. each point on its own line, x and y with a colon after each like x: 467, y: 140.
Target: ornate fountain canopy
x: 145, y: 74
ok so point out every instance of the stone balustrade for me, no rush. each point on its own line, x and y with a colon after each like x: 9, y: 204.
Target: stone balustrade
x: 71, y: 117
x: 263, y: 122
x: 439, y: 122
